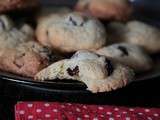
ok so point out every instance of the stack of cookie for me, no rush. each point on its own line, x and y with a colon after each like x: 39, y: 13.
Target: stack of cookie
x: 104, y: 58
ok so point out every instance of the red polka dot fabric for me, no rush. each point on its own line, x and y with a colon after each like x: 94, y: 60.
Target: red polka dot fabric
x: 69, y: 111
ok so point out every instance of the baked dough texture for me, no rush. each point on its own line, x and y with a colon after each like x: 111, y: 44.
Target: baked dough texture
x: 19, y: 52
x: 70, y: 32
x: 128, y: 54
x: 96, y: 71
x: 137, y: 33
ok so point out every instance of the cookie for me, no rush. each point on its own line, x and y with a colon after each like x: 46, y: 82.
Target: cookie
x: 105, y: 9
x: 96, y: 71
x: 35, y: 47
x: 143, y: 35
x: 19, y: 52
x: 10, y: 5
x: 128, y: 54
x: 10, y: 36
x: 137, y: 33
x: 26, y: 63
x: 71, y: 32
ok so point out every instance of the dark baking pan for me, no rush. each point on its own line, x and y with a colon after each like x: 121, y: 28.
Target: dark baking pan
x: 142, y: 92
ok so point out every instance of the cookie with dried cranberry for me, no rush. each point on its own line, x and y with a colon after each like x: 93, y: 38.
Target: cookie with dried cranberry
x: 128, y: 54
x: 105, y: 9
x: 19, y: 52
x: 10, y: 5
x: 70, y: 32
x: 98, y: 72
x: 10, y: 36
x: 26, y: 63
x: 144, y: 35
x: 137, y: 33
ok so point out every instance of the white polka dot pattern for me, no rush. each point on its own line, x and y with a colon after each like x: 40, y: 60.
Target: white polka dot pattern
x: 30, y: 105
x: 118, y: 116
x: 124, y: 112
x: 38, y: 110
x: 78, y: 110
x: 69, y: 104
x: 100, y: 108
x: 128, y: 118
x: 111, y: 118
x: 147, y: 110
x: 85, y: 107
x: 156, y: 115
x: 140, y: 113
x: 86, y: 116
x: 79, y: 118
x: 46, y: 104
x: 116, y: 109
x: 131, y: 109
x: 109, y: 113
x: 30, y: 116
x: 55, y: 110
x: 69, y: 111
x: 102, y: 116
x: 47, y: 115
x: 149, y: 118
x: 21, y: 112
x: 62, y: 106
x: 95, y: 118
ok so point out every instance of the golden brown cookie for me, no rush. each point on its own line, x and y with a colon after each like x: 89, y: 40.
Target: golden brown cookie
x: 137, y: 33
x: 98, y: 72
x: 105, y: 9
x: 26, y: 63
x: 19, y: 52
x: 70, y: 32
x: 127, y: 54
x: 8, y: 5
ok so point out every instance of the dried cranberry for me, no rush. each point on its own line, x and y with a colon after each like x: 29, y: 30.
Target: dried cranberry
x: 109, y: 67
x: 73, y: 21
x: 73, y: 72
x: 124, y: 50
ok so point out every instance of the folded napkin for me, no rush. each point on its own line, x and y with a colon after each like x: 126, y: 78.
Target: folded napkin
x: 69, y: 111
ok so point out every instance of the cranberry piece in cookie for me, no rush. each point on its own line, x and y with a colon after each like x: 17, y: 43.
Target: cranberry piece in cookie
x: 129, y: 55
